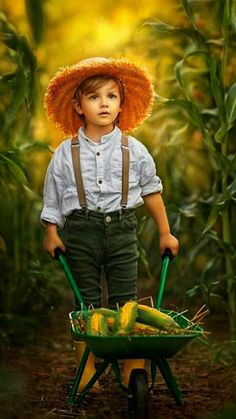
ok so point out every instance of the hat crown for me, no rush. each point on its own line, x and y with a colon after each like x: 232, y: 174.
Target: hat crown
x: 94, y: 60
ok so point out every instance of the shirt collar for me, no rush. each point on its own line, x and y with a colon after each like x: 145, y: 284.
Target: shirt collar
x: 105, y: 138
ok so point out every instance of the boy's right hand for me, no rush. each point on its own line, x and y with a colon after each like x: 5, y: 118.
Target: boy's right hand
x: 52, y: 241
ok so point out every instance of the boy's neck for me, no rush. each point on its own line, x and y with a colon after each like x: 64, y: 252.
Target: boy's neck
x: 95, y: 133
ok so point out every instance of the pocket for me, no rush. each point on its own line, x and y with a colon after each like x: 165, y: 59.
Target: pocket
x: 116, y: 174
x: 129, y: 224
x: 76, y: 224
x: 76, y: 229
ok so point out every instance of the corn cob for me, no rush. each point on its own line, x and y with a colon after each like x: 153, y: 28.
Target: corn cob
x: 156, y: 318
x: 138, y: 328
x: 97, y: 325
x: 107, y: 312
x: 125, y: 319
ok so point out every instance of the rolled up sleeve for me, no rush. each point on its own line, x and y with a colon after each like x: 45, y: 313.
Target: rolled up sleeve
x: 149, y: 180
x: 53, y: 187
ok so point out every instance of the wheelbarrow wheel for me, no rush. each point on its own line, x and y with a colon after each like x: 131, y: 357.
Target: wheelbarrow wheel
x: 139, y: 393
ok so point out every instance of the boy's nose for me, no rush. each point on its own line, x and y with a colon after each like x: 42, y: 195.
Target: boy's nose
x: 103, y: 102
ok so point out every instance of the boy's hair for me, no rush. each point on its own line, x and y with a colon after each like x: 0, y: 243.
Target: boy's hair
x: 95, y: 82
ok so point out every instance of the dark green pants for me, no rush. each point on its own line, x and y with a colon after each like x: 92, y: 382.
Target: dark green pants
x: 98, y: 242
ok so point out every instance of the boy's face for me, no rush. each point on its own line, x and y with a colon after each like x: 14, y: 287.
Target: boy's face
x: 101, y: 106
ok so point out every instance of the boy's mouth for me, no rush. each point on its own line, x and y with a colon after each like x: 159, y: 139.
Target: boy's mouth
x: 104, y: 113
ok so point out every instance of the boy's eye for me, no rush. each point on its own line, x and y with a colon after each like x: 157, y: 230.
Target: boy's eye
x: 93, y: 97
x: 111, y: 95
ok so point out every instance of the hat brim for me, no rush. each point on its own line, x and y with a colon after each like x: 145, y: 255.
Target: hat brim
x: 138, y: 93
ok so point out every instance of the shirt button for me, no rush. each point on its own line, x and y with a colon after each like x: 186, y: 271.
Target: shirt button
x: 108, y: 219
x: 98, y: 154
x: 99, y: 208
x: 100, y: 181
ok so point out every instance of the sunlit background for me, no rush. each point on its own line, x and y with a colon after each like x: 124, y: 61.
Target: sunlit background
x: 188, y: 47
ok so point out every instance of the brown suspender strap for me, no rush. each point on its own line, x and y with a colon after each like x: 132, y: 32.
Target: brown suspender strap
x: 125, y: 170
x: 75, y: 151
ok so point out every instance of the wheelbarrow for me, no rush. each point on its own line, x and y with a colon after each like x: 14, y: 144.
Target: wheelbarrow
x: 111, y: 349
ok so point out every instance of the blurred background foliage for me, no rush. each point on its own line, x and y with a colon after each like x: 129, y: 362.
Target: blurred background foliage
x: 188, y: 47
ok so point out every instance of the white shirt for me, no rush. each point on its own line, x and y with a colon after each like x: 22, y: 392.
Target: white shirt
x: 99, y: 162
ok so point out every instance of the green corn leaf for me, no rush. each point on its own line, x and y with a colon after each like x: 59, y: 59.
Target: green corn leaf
x: 7, y: 33
x: 211, y: 219
x: 6, y: 82
x: 220, y: 16
x: 35, y: 14
x: 18, y: 100
x: 30, y: 194
x: 231, y: 105
x: 232, y: 188
x: 179, y: 73
x: 216, y: 87
x: 211, y: 112
x: 187, y: 211
x: 182, y: 69
x: 159, y: 25
x: 36, y: 145
x: 207, y: 269
x: 220, y: 133
x: 167, y: 29
x: 186, y: 6
x: 232, y: 162
x: 215, y: 211
x: 15, y: 169
x: 228, y: 21
x: 191, y: 109
x: 226, y: 247
x: 18, y: 90
x: 144, y: 259
x: 28, y: 61
x: 28, y: 67
x: 222, y: 163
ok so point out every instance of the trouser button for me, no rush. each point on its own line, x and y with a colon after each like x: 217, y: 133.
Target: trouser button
x: 108, y: 219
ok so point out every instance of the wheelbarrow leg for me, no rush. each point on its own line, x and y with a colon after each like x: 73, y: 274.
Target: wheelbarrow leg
x: 165, y: 370
x: 153, y: 372
x: 116, y: 369
x: 78, y: 375
x: 92, y: 381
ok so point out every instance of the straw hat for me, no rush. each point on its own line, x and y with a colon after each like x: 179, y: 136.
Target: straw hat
x: 138, y: 92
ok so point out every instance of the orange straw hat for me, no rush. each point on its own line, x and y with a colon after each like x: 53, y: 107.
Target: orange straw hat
x: 138, y: 92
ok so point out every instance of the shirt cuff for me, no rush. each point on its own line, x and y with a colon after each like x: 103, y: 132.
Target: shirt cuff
x: 52, y: 216
x: 152, y: 187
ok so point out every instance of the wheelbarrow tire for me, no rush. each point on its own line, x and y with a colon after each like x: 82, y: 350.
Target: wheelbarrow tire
x: 139, y: 392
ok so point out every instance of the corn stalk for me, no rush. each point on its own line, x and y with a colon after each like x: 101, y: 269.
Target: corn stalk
x: 216, y: 124
x: 18, y: 80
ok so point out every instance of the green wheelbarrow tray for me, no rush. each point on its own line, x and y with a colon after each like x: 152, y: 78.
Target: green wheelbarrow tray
x: 135, y: 347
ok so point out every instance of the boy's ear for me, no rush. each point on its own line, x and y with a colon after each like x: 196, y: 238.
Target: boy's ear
x: 77, y: 106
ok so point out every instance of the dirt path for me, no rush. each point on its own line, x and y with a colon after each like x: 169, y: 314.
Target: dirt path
x: 35, y: 381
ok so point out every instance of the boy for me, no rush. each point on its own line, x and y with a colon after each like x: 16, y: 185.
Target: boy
x: 95, y: 180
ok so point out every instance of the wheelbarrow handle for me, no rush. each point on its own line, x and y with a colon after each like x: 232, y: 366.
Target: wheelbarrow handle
x: 166, y: 257
x: 59, y: 255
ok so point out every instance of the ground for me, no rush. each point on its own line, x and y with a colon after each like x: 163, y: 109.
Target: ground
x: 35, y: 379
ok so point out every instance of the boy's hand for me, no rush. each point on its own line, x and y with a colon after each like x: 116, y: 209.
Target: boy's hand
x: 52, y: 240
x: 167, y: 241
x: 50, y: 243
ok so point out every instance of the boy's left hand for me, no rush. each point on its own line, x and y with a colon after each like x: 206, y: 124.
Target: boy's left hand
x: 167, y: 241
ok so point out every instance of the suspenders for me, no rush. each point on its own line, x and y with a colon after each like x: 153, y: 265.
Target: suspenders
x: 75, y: 150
